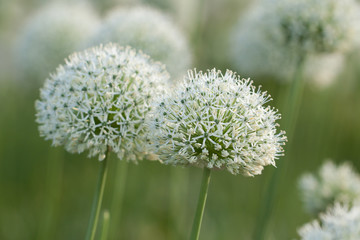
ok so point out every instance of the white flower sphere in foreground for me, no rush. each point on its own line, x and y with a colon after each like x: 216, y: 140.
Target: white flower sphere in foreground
x: 151, y: 31
x: 332, y: 184
x: 100, y: 98
x: 217, y: 121
x: 338, y: 223
x: 50, y: 35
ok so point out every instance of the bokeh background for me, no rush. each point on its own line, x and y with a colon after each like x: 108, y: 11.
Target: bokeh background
x: 46, y: 193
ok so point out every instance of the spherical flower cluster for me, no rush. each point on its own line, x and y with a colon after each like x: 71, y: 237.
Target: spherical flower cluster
x: 339, y: 222
x: 50, y: 35
x: 152, y: 32
x: 217, y: 121
x: 314, y: 25
x: 100, y: 100
x: 332, y: 184
x: 271, y: 37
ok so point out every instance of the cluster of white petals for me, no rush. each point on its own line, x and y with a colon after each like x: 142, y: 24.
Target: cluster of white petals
x: 315, y: 26
x: 149, y: 30
x: 331, y: 184
x: 50, y: 35
x: 217, y: 121
x: 340, y: 222
x: 270, y: 37
x: 100, y: 99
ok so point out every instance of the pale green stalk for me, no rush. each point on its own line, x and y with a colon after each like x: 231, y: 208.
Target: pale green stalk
x: 105, y: 225
x: 195, y: 232
x: 292, y: 107
x: 118, y: 196
x: 54, y: 174
x: 98, y: 197
x: 178, y: 208
x: 198, y: 30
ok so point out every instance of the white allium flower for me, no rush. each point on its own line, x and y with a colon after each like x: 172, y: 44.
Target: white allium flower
x: 50, y: 35
x: 217, y: 121
x: 322, y: 70
x: 100, y: 98
x: 151, y: 31
x: 270, y: 37
x: 340, y: 222
x: 332, y: 184
x: 314, y: 26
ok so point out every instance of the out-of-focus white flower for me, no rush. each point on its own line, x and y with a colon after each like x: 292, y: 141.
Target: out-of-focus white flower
x: 323, y: 69
x: 100, y: 98
x: 332, y: 184
x: 273, y: 34
x: 313, y: 26
x: 217, y: 121
x: 50, y: 35
x: 340, y: 222
x: 105, y: 5
x: 151, y: 31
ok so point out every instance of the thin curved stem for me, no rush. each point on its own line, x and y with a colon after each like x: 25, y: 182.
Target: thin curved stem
x: 54, y: 180
x: 195, y: 233
x: 292, y: 107
x: 99, y: 193
x: 105, y: 225
x: 118, y: 196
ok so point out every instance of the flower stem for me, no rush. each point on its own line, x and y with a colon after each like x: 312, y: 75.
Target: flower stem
x: 178, y: 184
x: 117, y: 199
x: 99, y: 193
x: 195, y: 232
x: 53, y: 189
x: 105, y: 225
x: 292, y: 107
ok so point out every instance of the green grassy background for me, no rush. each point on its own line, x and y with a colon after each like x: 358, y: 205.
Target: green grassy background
x: 45, y: 191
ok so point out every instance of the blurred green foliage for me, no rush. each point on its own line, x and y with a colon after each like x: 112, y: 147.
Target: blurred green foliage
x: 45, y: 191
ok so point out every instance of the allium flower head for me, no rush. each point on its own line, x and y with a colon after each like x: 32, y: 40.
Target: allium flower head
x: 217, y: 121
x: 50, y: 35
x: 270, y: 37
x: 152, y: 32
x: 339, y: 222
x: 100, y: 98
x: 332, y: 184
x: 314, y: 26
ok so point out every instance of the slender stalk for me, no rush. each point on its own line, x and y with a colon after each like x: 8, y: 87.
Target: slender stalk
x: 178, y: 184
x: 195, y: 232
x: 99, y: 193
x: 292, y: 107
x: 198, y: 30
x: 53, y: 192
x: 117, y: 199
x: 293, y: 103
x: 105, y: 225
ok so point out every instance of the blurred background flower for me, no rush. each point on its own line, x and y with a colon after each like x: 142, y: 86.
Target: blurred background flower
x: 51, y: 34
x: 339, y: 222
x: 331, y: 184
x: 267, y: 39
x: 150, y: 31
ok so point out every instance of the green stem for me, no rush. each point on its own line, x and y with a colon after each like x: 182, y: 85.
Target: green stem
x: 117, y: 199
x: 293, y: 103
x: 53, y: 189
x: 99, y: 193
x: 195, y: 232
x: 290, y: 115
x: 105, y: 225
x: 178, y: 208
